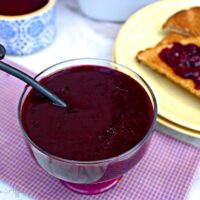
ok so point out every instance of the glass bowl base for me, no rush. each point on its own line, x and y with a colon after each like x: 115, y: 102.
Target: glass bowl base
x: 90, y: 189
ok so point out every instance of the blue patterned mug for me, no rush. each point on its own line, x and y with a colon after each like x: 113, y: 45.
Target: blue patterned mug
x: 28, y: 33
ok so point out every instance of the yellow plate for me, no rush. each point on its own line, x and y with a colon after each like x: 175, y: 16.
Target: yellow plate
x: 178, y: 128
x: 142, y: 30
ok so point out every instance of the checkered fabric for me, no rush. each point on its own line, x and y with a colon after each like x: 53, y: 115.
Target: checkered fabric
x: 165, y: 173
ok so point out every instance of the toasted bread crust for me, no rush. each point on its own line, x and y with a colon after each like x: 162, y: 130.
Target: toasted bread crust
x: 150, y: 57
x: 185, y: 22
x: 172, y: 37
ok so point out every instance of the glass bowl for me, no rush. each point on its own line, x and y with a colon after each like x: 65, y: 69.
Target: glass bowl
x: 90, y: 177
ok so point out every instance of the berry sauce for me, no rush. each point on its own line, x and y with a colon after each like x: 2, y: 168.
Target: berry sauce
x: 20, y: 7
x: 109, y: 113
x: 184, y: 60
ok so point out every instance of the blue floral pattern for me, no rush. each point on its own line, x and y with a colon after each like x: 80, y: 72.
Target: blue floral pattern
x: 7, y: 32
x: 36, y: 28
x: 26, y: 36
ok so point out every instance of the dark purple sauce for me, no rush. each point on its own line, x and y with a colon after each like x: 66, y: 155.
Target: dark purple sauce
x: 20, y: 7
x: 184, y: 60
x: 109, y: 113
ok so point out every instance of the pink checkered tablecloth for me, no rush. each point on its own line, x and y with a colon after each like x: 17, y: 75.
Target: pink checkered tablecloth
x: 165, y: 173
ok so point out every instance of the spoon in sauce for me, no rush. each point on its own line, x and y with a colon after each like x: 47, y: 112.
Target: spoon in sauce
x: 28, y: 79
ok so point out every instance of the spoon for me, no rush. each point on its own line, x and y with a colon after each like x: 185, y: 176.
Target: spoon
x: 26, y: 78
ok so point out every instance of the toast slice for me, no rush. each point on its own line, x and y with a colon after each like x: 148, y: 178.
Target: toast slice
x: 172, y: 37
x: 150, y: 57
x: 186, y: 22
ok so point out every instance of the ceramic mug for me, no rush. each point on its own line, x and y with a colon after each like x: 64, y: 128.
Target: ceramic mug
x: 28, y: 33
x: 111, y: 10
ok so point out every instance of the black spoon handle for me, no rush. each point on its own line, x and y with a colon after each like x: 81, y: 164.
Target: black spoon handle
x: 2, y: 52
x: 26, y: 78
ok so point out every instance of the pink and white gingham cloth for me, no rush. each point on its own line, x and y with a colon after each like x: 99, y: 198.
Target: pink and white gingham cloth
x: 165, y: 173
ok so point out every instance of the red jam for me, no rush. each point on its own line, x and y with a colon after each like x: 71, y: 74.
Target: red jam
x: 109, y: 113
x: 184, y: 60
x: 20, y: 7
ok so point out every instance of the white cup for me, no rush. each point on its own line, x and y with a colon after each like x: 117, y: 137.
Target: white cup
x: 111, y: 10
